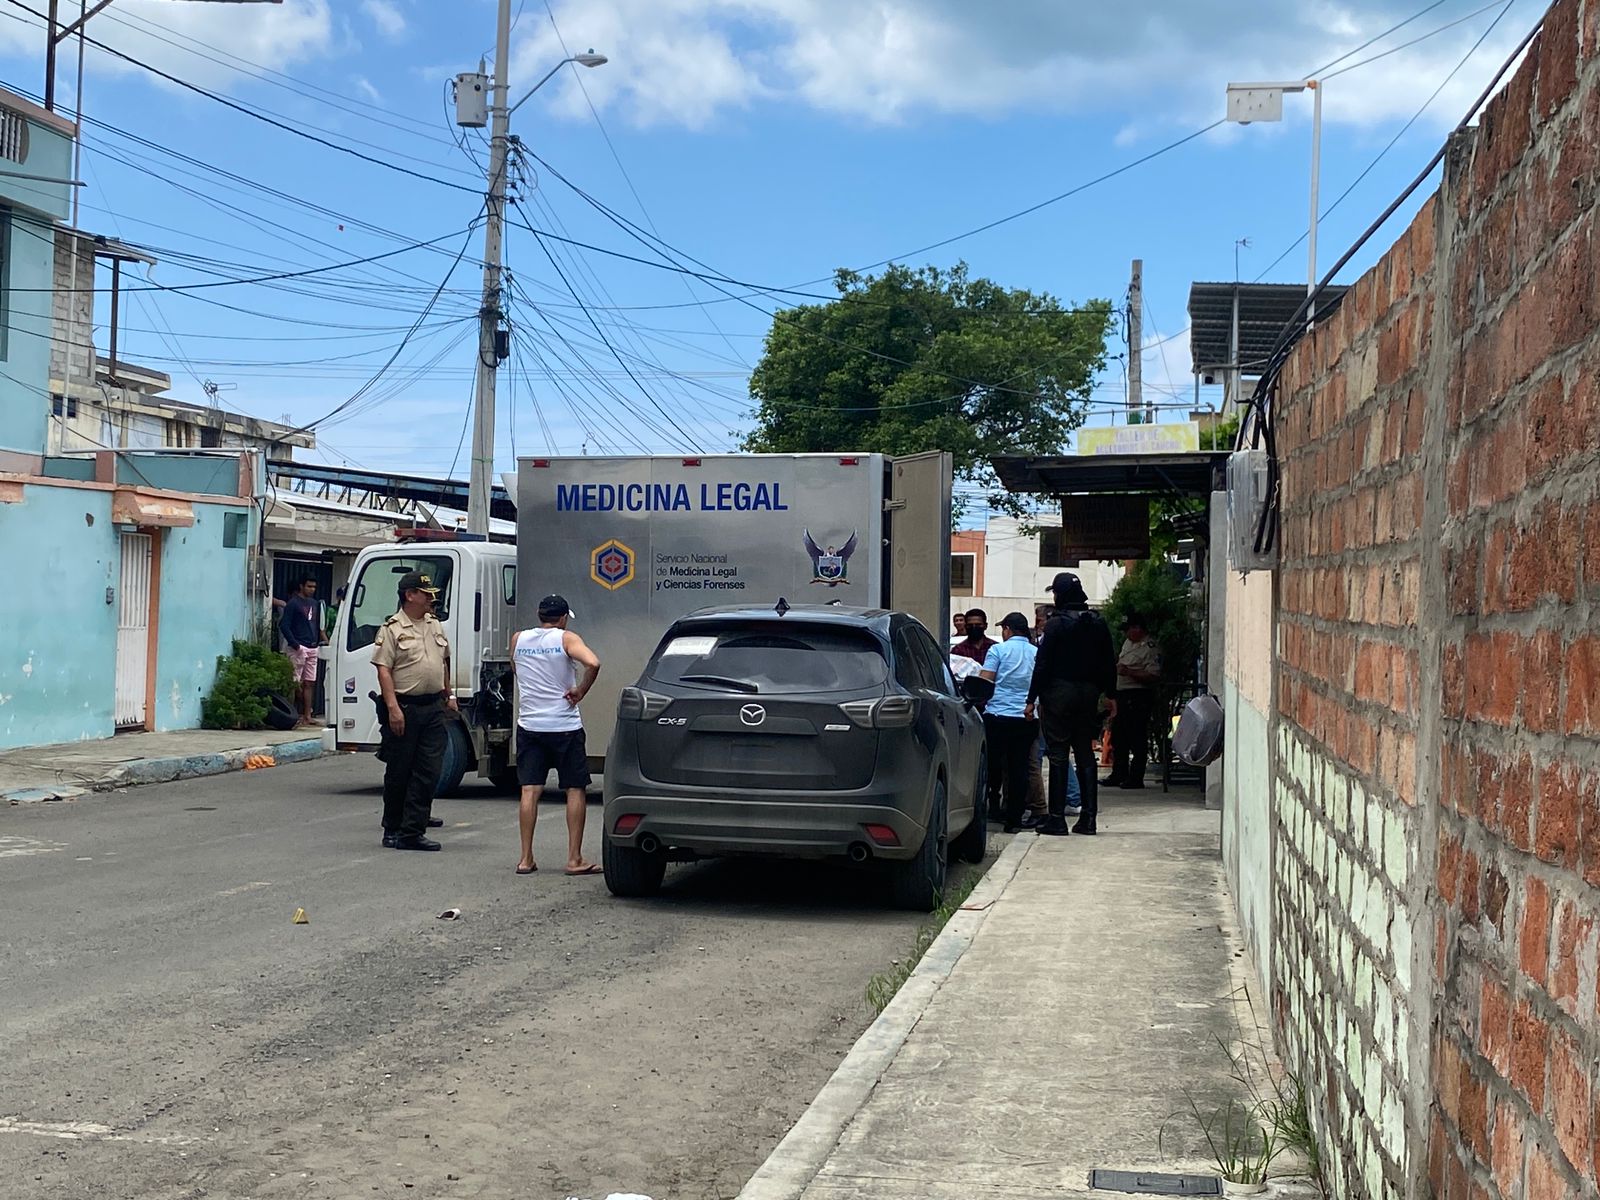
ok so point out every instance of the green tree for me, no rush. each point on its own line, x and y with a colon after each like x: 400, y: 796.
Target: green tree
x: 915, y: 360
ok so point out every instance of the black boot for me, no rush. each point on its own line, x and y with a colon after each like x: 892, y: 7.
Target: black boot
x: 1085, y: 827
x: 1053, y: 826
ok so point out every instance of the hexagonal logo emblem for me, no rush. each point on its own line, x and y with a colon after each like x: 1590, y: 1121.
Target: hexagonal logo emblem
x: 611, y: 565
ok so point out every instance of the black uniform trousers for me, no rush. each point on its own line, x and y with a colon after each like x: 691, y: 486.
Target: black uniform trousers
x: 1010, y: 752
x: 411, y: 770
x: 1071, y: 713
x: 1130, y: 734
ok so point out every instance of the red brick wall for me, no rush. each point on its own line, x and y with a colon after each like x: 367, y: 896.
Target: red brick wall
x: 1438, y: 670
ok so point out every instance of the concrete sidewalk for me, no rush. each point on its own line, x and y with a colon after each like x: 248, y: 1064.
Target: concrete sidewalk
x: 1060, y: 1024
x: 62, y: 772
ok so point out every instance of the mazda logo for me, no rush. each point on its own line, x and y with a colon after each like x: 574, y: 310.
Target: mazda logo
x: 752, y: 714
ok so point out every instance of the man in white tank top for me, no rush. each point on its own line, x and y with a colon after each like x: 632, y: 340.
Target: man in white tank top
x: 554, y: 672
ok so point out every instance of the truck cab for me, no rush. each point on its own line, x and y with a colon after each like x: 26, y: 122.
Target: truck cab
x: 477, y: 584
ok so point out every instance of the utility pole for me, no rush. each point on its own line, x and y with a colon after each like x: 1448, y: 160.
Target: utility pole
x: 492, y: 338
x: 1136, y: 413
x: 480, y: 483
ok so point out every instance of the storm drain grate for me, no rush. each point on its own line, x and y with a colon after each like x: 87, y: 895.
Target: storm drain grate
x: 1148, y: 1183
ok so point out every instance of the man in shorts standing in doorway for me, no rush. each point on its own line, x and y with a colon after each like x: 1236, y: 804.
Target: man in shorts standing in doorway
x: 554, y: 672
x: 301, y: 631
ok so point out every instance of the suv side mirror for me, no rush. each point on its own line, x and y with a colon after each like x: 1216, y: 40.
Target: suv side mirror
x: 977, y: 691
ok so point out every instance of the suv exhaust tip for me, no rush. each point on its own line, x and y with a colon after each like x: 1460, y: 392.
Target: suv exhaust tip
x: 649, y: 843
x: 859, y: 852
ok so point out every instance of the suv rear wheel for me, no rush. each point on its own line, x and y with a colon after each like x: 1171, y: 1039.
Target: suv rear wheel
x: 630, y: 871
x: 917, y: 883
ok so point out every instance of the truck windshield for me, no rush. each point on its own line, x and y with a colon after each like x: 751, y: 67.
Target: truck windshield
x: 375, y: 596
x: 771, y: 660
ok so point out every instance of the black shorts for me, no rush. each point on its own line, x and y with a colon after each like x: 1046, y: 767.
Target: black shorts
x: 566, y: 752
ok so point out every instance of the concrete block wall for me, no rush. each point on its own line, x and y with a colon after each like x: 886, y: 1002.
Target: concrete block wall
x: 1436, y: 747
x: 72, y: 352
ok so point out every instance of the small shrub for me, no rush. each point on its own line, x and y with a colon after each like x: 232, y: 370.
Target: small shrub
x: 245, y: 678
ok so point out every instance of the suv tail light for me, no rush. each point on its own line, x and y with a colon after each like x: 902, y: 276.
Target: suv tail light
x: 636, y: 704
x: 892, y: 712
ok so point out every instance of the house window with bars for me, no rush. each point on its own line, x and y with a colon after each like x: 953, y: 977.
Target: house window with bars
x: 13, y: 136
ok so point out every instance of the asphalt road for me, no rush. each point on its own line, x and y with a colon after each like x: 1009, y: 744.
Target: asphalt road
x: 166, y: 1031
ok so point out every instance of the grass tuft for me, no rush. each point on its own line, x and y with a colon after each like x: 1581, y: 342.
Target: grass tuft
x: 881, y: 988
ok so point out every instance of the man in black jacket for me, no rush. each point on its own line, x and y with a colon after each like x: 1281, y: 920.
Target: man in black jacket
x: 1076, y: 665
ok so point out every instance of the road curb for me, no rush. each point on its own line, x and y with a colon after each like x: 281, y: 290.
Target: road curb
x: 165, y: 770
x: 794, y: 1163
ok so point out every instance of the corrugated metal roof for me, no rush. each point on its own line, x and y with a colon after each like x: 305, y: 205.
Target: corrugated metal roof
x: 1265, y: 309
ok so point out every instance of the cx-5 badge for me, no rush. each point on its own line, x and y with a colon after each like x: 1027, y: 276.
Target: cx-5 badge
x: 752, y: 714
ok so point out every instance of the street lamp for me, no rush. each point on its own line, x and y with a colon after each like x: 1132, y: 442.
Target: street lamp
x: 56, y: 37
x: 590, y: 59
x: 481, y: 474
x: 1251, y: 102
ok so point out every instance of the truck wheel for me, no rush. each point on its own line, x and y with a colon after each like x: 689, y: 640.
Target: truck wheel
x: 631, y: 872
x: 457, y: 757
x: 972, y: 844
x: 917, y: 883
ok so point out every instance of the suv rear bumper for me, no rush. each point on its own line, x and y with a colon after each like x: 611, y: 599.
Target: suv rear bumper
x: 782, y: 826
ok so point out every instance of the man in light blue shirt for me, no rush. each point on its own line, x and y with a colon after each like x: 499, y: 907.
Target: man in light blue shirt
x: 1011, y: 734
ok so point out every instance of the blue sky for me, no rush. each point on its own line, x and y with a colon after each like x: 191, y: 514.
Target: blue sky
x: 775, y: 140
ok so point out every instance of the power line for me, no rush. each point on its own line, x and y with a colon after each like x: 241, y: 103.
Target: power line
x: 778, y: 317
x: 648, y: 395
x: 1413, y: 42
x: 256, y: 114
x: 577, y: 76
x: 1394, y: 141
x: 274, y: 78
x: 258, y: 279
x: 1373, y: 41
x: 367, y: 387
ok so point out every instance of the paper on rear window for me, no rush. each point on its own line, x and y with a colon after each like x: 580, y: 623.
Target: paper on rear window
x: 694, y: 647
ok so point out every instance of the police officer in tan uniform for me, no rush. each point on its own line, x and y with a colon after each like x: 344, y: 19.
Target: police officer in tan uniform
x: 412, y: 655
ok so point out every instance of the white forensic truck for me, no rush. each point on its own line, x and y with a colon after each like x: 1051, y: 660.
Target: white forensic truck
x: 633, y: 544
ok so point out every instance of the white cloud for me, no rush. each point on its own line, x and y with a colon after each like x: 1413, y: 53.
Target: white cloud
x: 186, y: 39
x: 391, y: 22
x: 1157, y: 64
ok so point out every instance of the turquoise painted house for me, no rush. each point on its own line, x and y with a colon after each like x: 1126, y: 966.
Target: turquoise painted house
x: 129, y: 570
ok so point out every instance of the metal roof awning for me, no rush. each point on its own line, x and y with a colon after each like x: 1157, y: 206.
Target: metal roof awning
x: 443, y: 493
x: 1265, y: 309
x: 1195, y: 474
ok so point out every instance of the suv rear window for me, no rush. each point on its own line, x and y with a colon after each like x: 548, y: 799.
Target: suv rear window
x: 770, y: 659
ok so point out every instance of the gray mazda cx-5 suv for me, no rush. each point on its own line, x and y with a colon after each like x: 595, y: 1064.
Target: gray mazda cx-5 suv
x: 803, y: 732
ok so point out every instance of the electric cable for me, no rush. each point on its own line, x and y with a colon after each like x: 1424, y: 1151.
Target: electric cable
x: 367, y: 387
x: 1260, y: 403
x: 1394, y: 141
x: 648, y: 395
x: 1373, y: 41
x: 255, y: 114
